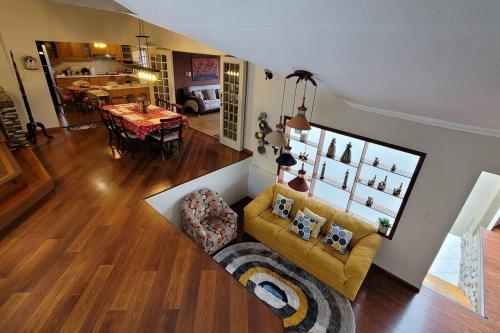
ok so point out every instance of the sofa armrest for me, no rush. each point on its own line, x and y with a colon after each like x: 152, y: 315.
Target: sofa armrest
x: 259, y: 204
x: 197, y: 100
x: 361, y: 257
x: 193, y: 227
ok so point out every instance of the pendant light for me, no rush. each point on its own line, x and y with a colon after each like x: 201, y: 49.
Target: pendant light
x: 299, y: 121
x: 299, y: 183
x: 286, y: 158
x: 277, y: 138
x: 144, y: 70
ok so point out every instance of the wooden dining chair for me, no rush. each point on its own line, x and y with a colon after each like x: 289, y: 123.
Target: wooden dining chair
x: 131, y: 98
x: 113, y: 132
x: 169, y: 134
x: 127, y: 140
x: 68, y: 98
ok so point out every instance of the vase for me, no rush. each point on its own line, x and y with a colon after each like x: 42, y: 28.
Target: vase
x: 331, y: 149
x: 346, y: 156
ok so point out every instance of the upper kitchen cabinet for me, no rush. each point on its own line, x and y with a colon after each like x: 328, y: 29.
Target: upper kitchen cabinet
x: 73, y: 51
x: 102, y: 49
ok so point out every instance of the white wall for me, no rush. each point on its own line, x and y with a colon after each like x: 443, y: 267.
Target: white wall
x: 24, y: 22
x: 453, y: 164
x: 480, y: 200
x: 230, y: 181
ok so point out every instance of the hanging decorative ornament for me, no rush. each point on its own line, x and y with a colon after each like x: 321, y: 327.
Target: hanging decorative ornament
x: 286, y: 158
x: 344, y: 184
x: 322, y: 176
x: 331, y: 149
x: 346, y: 156
x: 299, y: 183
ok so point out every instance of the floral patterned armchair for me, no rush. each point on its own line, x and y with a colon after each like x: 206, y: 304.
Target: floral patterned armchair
x: 208, y: 220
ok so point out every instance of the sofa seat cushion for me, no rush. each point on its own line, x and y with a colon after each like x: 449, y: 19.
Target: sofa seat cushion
x: 325, y: 264
x: 320, y: 246
x: 263, y: 226
x: 296, y: 246
x: 211, y: 104
x: 272, y: 218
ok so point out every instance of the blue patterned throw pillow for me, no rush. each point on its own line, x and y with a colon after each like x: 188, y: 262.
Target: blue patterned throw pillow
x: 282, y: 206
x: 303, y: 225
x: 338, y: 237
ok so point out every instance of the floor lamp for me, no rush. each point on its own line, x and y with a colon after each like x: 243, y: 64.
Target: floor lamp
x: 32, y: 124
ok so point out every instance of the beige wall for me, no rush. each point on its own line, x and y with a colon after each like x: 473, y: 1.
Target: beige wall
x: 479, y: 201
x: 24, y: 22
x: 454, y: 162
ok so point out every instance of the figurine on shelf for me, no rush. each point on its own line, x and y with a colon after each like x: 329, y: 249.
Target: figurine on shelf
x: 331, y: 149
x: 376, y: 161
x: 344, y: 184
x: 393, y: 169
x: 346, y: 156
x: 322, y: 176
x: 397, y: 190
x: 371, y: 182
x: 381, y: 186
x: 303, y: 136
x: 369, y: 201
x: 303, y: 156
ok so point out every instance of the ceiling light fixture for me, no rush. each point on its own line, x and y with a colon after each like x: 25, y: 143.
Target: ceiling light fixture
x: 299, y: 183
x: 299, y: 121
x: 144, y: 70
x: 277, y: 138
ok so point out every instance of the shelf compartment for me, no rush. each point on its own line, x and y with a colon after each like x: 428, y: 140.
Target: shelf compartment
x: 375, y: 206
x: 364, y: 182
x: 309, y: 161
x: 336, y: 159
x: 334, y: 183
x: 307, y: 142
x: 387, y: 168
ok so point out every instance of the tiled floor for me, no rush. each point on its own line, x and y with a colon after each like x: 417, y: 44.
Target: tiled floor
x: 447, y: 263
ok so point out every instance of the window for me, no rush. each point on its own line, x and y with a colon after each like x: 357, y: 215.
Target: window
x: 361, y: 195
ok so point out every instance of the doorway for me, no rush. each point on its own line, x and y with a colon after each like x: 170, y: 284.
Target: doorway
x: 457, y: 270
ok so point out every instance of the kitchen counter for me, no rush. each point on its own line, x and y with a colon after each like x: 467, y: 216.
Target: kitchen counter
x: 125, y: 86
x: 60, y: 76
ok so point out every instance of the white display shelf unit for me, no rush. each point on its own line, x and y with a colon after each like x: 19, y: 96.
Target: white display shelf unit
x: 354, y: 196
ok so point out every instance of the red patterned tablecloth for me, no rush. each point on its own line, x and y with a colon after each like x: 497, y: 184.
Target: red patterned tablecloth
x: 138, y: 122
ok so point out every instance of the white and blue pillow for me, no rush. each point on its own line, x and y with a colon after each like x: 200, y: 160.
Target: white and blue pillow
x: 303, y: 225
x: 338, y: 237
x: 282, y: 206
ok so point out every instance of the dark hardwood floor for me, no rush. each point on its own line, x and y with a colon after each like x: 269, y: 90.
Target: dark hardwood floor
x: 94, y: 256
x: 385, y: 305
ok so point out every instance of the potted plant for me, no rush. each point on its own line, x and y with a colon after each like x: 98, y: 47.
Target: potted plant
x: 384, y: 224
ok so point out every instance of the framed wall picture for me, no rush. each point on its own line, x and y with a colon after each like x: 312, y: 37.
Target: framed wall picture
x: 205, y: 69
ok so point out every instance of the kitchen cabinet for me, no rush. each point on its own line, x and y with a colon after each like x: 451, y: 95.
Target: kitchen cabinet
x: 109, y: 49
x: 73, y: 51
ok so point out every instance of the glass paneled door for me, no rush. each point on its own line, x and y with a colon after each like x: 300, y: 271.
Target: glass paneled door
x: 163, y: 89
x: 233, y: 85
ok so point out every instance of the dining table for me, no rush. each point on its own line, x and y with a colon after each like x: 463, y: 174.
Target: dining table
x: 135, y: 120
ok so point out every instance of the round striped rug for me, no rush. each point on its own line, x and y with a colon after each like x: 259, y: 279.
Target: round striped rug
x: 304, y: 303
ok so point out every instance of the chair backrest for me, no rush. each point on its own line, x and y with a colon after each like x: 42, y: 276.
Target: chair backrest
x: 162, y: 103
x: 118, y: 100
x: 201, y: 200
x: 171, y: 125
x: 64, y: 95
x: 130, y: 98
x: 106, y: 118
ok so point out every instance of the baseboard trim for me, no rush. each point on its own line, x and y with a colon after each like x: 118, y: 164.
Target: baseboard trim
x: 400, y: 280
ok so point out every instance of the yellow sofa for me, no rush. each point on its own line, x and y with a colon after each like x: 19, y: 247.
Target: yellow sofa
x: 343, y: 272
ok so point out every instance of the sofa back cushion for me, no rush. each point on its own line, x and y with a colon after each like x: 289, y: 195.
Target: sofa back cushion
x: 285, y: 191
x: 358, y: 227
x: 196, y: 88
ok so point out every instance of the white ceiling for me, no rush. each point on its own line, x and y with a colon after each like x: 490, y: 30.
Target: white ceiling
x: 430, y: 58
